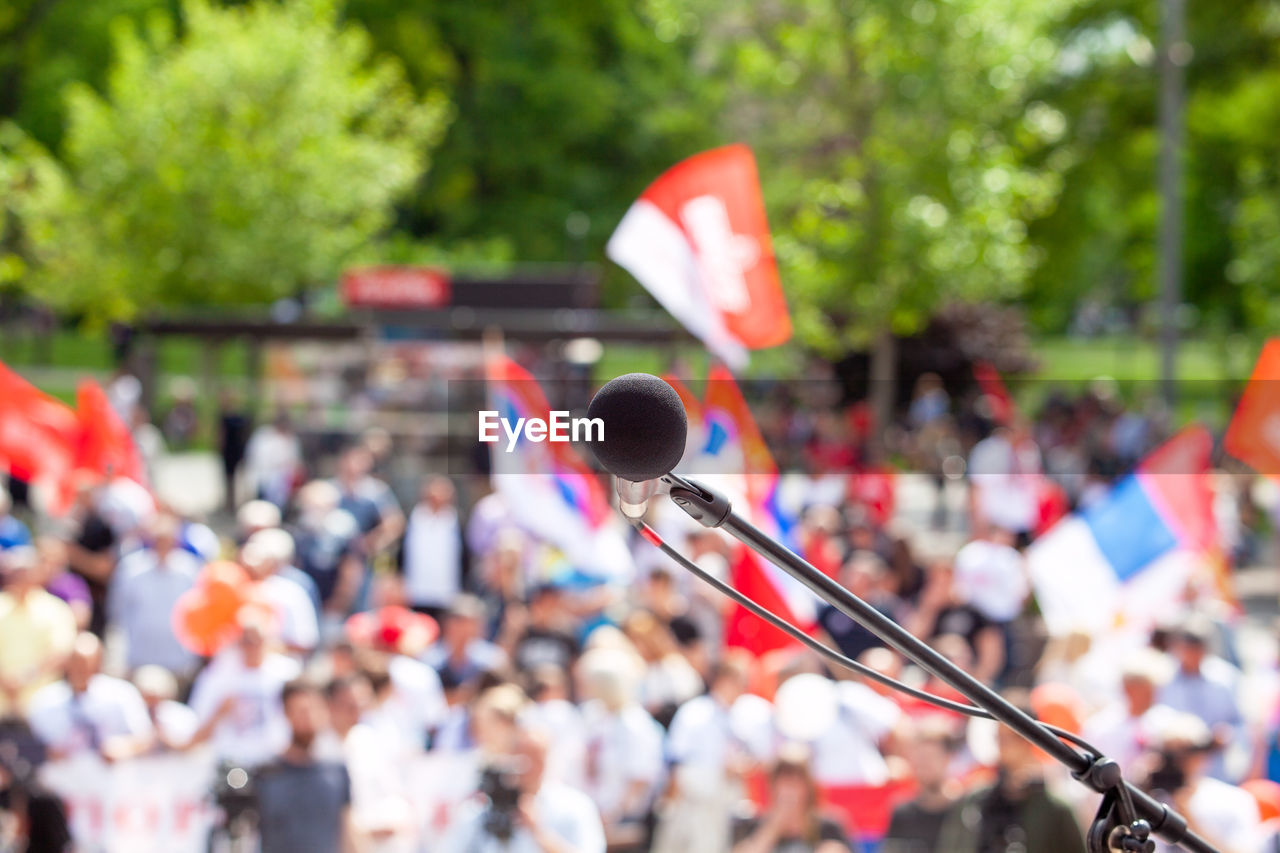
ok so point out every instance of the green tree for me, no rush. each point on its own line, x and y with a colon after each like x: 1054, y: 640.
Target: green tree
x: 894, y: 140
x: 563, y: 107
x: 235, y: 165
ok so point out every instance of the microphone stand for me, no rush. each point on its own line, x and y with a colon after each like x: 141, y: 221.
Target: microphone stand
x: 1127, y: 816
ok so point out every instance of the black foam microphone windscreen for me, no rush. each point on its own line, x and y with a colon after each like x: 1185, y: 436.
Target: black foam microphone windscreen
x: 644, y: 427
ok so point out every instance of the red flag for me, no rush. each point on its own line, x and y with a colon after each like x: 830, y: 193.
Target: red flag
x: 698, y: 240
x: 106, y: 444
x: 1254, y: 434
x: 993, y: 387
x: 743, y: 629
x: 38, y: 433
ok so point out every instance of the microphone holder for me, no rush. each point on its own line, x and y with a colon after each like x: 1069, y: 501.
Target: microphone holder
x: 1127, y: 816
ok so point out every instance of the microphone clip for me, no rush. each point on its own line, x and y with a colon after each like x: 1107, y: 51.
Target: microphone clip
x: 708, y: 508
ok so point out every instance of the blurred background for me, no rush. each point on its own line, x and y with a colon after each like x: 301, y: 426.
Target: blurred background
x: 258, y: 262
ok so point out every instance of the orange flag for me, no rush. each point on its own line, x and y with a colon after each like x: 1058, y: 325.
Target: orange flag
x: 1254, y: 434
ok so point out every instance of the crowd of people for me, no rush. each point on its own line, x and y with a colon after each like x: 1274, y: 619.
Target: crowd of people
x: 561, y: 712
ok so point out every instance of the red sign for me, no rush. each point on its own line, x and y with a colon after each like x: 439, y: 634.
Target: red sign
x: 395, y: 287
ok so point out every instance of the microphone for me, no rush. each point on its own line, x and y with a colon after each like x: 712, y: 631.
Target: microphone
x: 645, y: 427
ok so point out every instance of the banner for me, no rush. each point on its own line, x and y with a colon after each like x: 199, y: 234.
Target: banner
x: 154, y: 804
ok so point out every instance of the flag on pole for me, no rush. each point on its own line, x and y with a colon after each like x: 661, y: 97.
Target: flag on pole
x: 548, y: 488
x: 1126, y: 560
x: 1254, y: 434
x: 698, y: 240
x: 738, y: 461
x: 106, y: 443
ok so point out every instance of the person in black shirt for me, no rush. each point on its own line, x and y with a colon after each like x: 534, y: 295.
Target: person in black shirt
x: 546, y: 638
x: 929, y: 746
x: 41, y: 820
x: 793, y: 822
x: 865, y: 575
x: 234, y: 427
x: 91, y: 549
x: 941, y: 613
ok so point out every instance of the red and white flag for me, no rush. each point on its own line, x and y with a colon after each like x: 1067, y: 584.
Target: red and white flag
x: 698, y: 240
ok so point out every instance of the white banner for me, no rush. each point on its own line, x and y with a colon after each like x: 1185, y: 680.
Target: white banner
x: 154, y: 804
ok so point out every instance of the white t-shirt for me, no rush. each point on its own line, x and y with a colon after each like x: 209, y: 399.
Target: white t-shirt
x: 255, y: 731
x: 704, y: 734
x: 71, y: 723
x: 567, y: 813
x: 1122, y: 736
x: 848, y: 752
x: 566, y: 759
x: 992, y: 578
x: 299, y: 627
x: 416, y: 704
x: 1225, y: 815
x: 622, y: 748
x: 432, y: 557
x: 1006, y: 483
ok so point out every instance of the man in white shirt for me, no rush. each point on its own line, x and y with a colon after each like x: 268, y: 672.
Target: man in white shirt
x: 147, y: 585
x: 714, y: 741
x: 1123, y: 729
x: 264, y: 554
x: 237, y: 699
x: 848, y: 752
x: 624, y: 755
x: 431, y: 558
x: 89, y: 711
x: 549, y: 818
x: 1004, y: 471
x: 990, y: 575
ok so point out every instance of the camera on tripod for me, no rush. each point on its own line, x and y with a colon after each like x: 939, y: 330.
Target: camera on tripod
x: 500, y: 784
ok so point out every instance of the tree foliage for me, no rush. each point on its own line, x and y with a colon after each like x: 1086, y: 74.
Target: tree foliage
x: 237, y: 164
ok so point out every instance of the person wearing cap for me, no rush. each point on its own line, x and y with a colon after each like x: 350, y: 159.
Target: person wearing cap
x: 1122, y: 729
x: 37, y: 631
x: 1181, y: 753
x: 1203, y: 691
x: 264, y: 555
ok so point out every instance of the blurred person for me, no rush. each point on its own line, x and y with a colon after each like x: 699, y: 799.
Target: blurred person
x: 89, y: 712
x: 37, y: 631
x: 668, y: 679
x: 553, y: 712
x: 173, y: 723
x: 182, y: 421
x: 234, y: 425
x: 146, y: 586
x: 369, y: 500
x: 303, y: 801
x: 865, y: 575
x: 546, y: 633
x: 1226, y: 816
x: 941, y: 611
x: 237, y: 698
x: 714, y: 742
x: 411, y: 702
x: 432, y: 557
x: 273, y: 458
x: 258, y: 515
x: 329, y: 551
x: 381, y: 812
x: 991, y: 575
x: 501, y: 582
x: 462, y: 654
x: 929, y: 745
x: 549, y: 817
x: 264, y: 556
x: 56, y: 578
x: 1016, y: 812
x: 92, y: 544
x: 13, y: 533
x: 1202, y: 690
x: 1123, y: 728
x: 32, y: 820
x: 624, y: 753
x: 852, y: 749
x: 1004, y: 472
x: 794, y: 821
